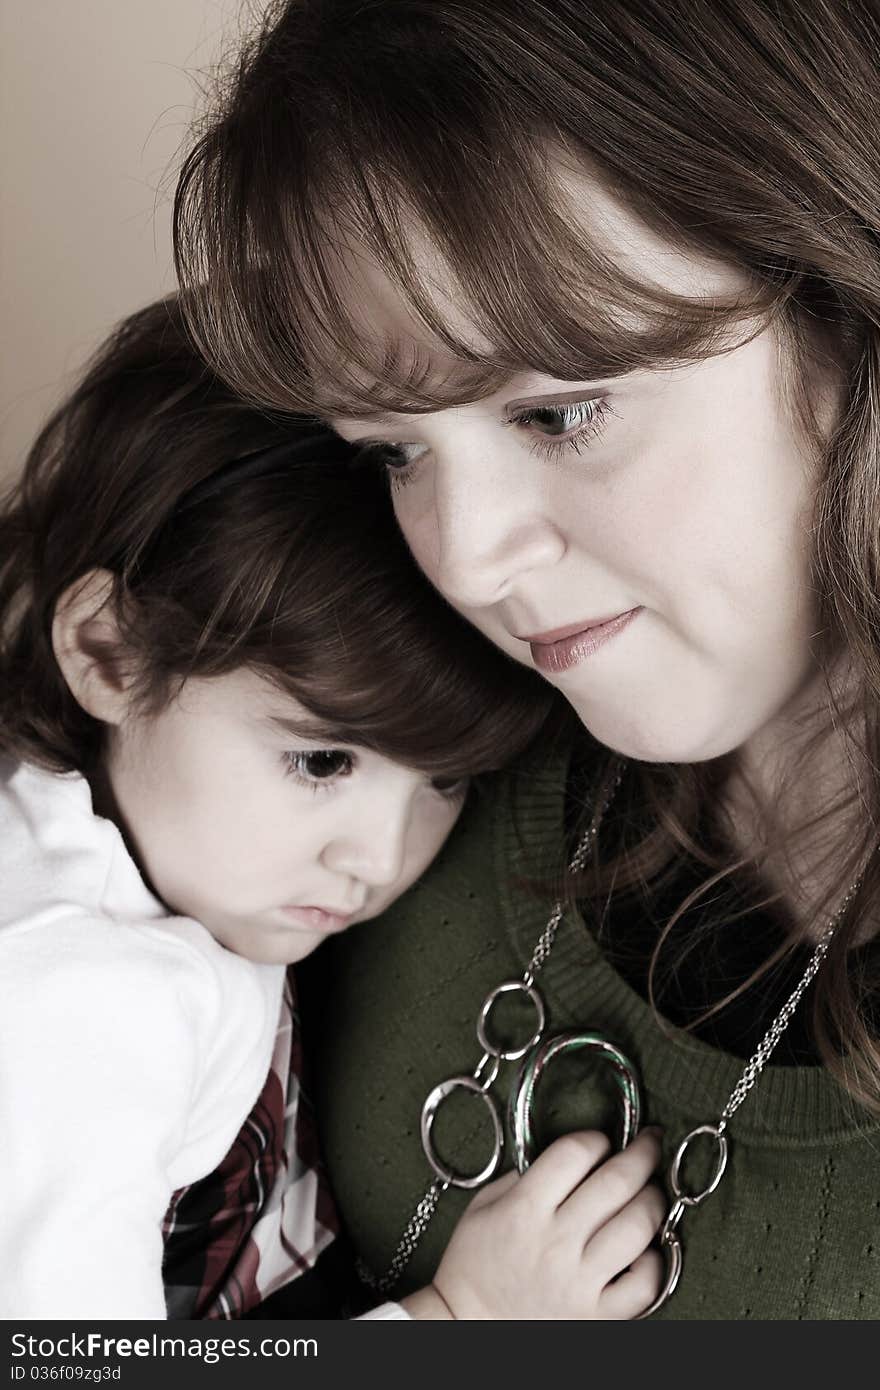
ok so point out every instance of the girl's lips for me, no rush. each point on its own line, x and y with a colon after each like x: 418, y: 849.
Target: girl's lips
x: 316, y: 919
x: 554, y: 653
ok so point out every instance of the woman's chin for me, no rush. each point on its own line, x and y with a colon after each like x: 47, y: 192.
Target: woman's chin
x: 657, y: 740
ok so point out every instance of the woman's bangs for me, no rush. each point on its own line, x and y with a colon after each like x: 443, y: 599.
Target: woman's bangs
x: 384, y: 325
x: 482, y: 265
x: 373, y: 335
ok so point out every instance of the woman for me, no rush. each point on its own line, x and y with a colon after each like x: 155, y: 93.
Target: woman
x: 600, y: 289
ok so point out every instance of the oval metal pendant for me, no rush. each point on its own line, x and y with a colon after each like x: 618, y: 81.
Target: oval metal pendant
x: 532, y: 1068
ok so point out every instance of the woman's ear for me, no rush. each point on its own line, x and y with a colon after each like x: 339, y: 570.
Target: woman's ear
x: 88, y: 647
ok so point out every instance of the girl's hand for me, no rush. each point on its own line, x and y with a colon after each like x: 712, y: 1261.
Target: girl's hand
x: 569, y: 1239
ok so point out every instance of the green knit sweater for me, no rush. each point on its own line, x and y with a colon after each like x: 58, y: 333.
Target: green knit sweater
x: 792, y: 1232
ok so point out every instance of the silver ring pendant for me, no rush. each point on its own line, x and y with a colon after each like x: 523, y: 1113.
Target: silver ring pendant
x: 429, y: 1110
x: 693, y: 1199
x: 510, y: 1054
x: 532, y: 1069
x: 670, y: 1241
x: 670, y: 1245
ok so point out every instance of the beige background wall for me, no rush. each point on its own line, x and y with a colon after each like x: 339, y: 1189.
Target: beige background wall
x: 95, y: 99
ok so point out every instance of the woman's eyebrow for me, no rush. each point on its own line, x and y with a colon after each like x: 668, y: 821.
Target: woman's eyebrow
x: 392, y: 420
x: 342, y: 424
x: 375, y: 417
x: 545, y: 398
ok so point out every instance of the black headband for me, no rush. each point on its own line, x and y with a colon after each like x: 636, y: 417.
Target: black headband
x: 315, y: 445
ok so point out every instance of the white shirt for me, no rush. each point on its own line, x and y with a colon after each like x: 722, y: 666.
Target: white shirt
x: 132, y: 1049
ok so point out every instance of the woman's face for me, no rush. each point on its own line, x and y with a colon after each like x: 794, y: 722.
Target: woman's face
x: 643, y: 542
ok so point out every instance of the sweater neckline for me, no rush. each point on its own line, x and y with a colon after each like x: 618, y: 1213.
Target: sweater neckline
x: 790, y: 1105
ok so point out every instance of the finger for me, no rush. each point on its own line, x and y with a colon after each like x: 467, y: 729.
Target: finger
x: 620, y: 1242
x: 494, y: 1191
x: 608, y: 1190
x: 562, y: 1167
x: 635, y: 1290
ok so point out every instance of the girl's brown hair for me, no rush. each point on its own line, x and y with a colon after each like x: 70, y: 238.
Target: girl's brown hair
x: 235, y: 539
x: 741, y: 130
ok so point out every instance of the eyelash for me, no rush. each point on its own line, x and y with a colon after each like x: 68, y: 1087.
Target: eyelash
x: 597, y: 412
x: 294, y: 766
x: 455, y: 791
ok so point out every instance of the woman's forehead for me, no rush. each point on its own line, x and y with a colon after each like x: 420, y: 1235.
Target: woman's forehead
x: 628, y: 240
x: 613, y: 229
x: 415, y: 331
x: 394, y: 336
x: 384, y: 311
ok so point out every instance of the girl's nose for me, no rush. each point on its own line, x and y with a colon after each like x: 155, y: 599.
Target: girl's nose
x: 371, y: 847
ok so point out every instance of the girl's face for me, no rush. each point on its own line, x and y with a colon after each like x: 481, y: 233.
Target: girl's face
x: 643, y: 542
x: 272, y: 841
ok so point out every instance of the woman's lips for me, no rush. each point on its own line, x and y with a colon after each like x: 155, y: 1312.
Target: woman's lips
x: 553, y: 652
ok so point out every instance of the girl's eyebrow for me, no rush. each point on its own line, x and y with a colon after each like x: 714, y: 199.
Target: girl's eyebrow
x: 313, y: 730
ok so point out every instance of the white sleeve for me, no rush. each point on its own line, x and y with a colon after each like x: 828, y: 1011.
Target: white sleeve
x: 129, y: 1058
x: 386, y: 1312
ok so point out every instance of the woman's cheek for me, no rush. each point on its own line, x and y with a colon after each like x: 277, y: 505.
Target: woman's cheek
x: 421, y: 529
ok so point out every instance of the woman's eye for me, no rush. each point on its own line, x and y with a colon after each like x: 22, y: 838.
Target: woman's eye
x: 407, y: 454
x: 321, y: 765
x: 398, y: 462
x: 557, y: 427
x: 559, y: 420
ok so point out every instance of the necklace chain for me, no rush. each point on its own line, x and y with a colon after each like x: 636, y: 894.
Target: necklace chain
x: 427, y: 1205
x: 759, y: 1059
x: 482, y: 1079
x: 544, y: 944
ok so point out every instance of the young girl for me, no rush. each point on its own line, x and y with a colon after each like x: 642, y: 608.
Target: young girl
x: 235, y: 721
x: 601, y: 283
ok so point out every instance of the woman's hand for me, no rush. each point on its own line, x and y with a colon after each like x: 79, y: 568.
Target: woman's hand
x: 567, y: 1240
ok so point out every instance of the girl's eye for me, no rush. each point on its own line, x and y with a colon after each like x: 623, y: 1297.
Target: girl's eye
x: 561, y: 427
x: 452, y: 788
x: 322, y: 766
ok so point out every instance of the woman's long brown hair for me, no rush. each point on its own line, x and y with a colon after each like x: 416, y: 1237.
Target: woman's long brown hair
x: 743, y: 130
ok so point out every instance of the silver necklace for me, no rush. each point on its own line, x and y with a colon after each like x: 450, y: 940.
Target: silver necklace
x: 533, y: 1058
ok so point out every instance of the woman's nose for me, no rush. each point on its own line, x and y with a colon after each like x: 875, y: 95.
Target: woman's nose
x: 492, y: 527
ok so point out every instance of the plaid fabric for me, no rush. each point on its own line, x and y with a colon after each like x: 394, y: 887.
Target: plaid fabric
x: 266, y: 1213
